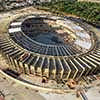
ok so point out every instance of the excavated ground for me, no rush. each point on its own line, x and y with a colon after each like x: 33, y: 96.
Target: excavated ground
x: 16, y: 91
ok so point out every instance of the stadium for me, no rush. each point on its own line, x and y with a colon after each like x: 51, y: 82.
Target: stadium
x: 51, y: 46
x: 48, y: 51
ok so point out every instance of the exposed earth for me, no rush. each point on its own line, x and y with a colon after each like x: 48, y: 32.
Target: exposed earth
x: 12, y: 90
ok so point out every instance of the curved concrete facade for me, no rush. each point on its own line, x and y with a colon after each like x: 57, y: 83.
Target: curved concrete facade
x: 52, y: 61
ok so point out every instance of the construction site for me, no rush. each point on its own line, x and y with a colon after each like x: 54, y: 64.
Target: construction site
x: 47, y: 56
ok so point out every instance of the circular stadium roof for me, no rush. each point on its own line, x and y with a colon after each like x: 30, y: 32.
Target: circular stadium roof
x: 51, y: 35
x: 51, y: 46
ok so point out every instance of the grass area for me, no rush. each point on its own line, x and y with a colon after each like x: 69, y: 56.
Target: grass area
x: 88, y: 11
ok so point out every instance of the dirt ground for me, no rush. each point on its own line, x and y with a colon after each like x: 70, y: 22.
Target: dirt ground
x: 14, y: 91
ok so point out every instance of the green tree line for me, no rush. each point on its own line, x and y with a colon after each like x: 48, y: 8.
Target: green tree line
x: 86, y: 10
